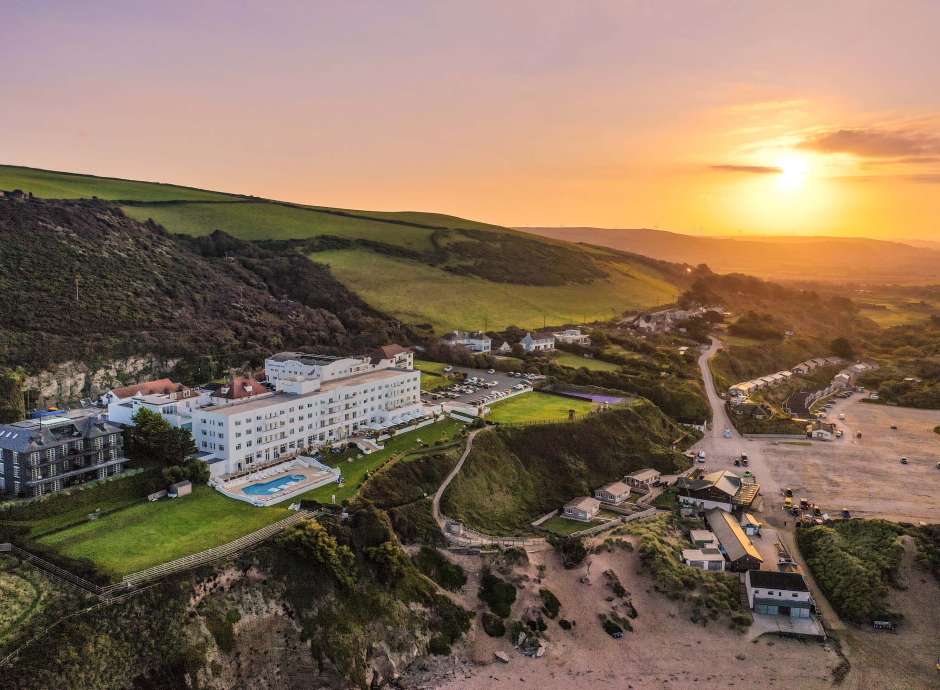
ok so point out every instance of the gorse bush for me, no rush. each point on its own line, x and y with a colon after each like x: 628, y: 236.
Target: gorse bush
x: 437, y: 567
x: 855, y: 562
x: 550, y: 603
x: 496, y: 593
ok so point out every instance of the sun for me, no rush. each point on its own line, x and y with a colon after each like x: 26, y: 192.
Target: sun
x: 794, y: 170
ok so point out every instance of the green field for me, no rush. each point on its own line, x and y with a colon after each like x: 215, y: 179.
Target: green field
x: 261, y: 220
x: 58, y: 185
x: 355, y: 468
x: 148, y: 534
x: 537, y: 407
x: 567, y: 359
x: 432, y: 375
x: 563, y: 526
x: 420, y: 293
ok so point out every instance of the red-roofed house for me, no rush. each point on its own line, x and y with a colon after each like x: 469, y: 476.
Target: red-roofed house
x: 393, y: 355
x: 165, y: 386
x: 236, y: 388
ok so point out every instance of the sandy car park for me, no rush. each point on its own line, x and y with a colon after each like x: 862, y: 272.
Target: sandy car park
x: 865, y: 475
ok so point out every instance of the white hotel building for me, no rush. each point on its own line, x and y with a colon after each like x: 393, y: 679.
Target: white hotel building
x: 317, y: 401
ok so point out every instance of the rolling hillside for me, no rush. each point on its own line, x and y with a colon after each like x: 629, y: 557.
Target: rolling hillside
x: 837, y: 259
x: 79, y: 280
x: 431, y: 270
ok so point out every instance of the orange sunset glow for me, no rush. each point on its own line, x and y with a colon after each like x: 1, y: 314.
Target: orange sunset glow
x: 700, y: 117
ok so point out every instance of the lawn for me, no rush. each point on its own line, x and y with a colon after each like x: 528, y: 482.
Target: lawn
x: 536, y: 407
x: 144, y: 534
x: 355, y: 468
x: 432, y: 375
x: 568, y: 359
x: 420, y: 293
x: 58, y: 185
x: 564, y: 526
x: 148, y: 534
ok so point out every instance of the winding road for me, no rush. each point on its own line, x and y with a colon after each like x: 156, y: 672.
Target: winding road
x: 720, y: 453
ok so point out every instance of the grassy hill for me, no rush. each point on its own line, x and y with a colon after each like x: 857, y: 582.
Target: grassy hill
x: 423, y: 268
x: 81, y: 281
x: 513, y: 475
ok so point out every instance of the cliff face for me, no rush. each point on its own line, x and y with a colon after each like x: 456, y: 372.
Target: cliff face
x: 72, y: 380
x: 264, y: 647
x: 81, y: 282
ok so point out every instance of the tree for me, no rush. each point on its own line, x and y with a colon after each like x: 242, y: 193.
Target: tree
x: 153, y: 439
x: 841, y: 347
x: 12, y: 408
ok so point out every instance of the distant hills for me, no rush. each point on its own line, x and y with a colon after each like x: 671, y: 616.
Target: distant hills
x: 833, y: 259
x: 431, y: 271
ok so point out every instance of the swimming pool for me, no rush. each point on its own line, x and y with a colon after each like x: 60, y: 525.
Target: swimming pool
x: 274, y: 486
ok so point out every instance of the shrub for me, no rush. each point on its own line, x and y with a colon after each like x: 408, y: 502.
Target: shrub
x: 496, y: 593
x: 437, y: 567
x: 571, y: 549
x: 564, y: 624
x: 493, y: 625
x: 439, y: 646
x: 550, y: 604
x: 310, y: 540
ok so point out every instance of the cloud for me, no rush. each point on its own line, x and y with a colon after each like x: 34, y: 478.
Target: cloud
x: 914, y: 146
x: 755, y: 169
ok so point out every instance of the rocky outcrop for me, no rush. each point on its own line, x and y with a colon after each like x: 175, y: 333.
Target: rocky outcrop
x: 70, y: 381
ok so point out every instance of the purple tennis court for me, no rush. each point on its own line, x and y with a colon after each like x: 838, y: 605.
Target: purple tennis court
x: 593, y: 397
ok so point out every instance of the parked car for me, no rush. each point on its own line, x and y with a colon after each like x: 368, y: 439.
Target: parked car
x: 904, y: 460
x: 491, y: 371
x: 701, y: 455
x: 894, y: 427
x: 448, y: 369
x: 727, y: 433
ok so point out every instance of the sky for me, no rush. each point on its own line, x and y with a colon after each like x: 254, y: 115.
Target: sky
x: 699, y: 116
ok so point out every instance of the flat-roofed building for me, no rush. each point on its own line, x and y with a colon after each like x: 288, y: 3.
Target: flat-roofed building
x: 304, y: 413
x: 704, y: 559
